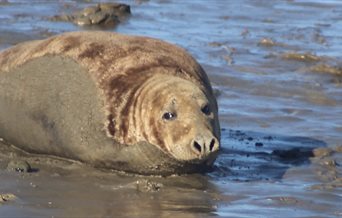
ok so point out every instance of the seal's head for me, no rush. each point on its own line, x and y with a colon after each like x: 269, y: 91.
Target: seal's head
x: 178, y: 117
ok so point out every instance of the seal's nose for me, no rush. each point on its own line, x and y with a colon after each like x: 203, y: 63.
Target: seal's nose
x: 204, y: 146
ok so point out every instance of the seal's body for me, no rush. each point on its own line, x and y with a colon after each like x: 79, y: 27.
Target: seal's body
x: 122, y: 102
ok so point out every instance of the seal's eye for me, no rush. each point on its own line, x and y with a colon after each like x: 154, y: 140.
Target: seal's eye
x: 206, y: 109
x: 169, y: 116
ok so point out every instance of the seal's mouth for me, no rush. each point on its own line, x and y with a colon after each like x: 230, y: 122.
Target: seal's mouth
x: 200, y: 164
x: 148, y: 159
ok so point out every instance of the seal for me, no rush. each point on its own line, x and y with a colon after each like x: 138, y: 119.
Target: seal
x: 128, y: 103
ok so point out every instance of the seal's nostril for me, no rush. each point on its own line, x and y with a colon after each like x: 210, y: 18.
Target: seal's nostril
x: 197, y: 147
x: 211, y: 146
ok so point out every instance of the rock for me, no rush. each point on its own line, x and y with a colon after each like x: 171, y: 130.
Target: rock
x: 99, y: 17
x: 90, y: 10
x: 325, y: 68
x: 328, y: 163
x: 304, y: 57
x: 82, y: 21
x: 116, y: 8
x: 7, y: 197
x: 322, y: 152
x: 106, y: 14
x: 63, y: 17
x: 266, y: 42
x: 215, y: 44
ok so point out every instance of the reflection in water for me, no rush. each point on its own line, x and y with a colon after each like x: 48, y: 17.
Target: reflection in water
x: 66, y: 188
x: 183, y: 196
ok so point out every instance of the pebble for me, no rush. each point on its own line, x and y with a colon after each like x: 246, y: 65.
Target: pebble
x: 266, y: 42
x: 329, y: 163
x: 145, y: 185
x: 19, y: 166
x: 7, y: 197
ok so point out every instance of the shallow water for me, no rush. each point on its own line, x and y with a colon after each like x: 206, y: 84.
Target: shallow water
x: 275, y: 111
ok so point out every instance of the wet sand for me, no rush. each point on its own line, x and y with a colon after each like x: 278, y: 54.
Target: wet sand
x: 275, y: 67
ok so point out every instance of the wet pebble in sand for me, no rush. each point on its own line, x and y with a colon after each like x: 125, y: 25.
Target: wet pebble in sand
x: 267, y: 42
x: 6, y: 197
x: 304, y: 57
x: 106, y: 14
x: 216, y: 44
x: 145, y: 185
x: 287, y: 200
x: 229, y: 57
x: 19, y: 166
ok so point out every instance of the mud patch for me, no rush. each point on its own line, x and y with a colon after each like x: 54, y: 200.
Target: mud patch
x: 249, y: 161
x: 327, y: 163
x: 325, y: 68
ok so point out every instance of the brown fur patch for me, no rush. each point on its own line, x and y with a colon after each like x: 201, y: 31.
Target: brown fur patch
x: 124, y: 88
x: 4, y: 58
x: 125, y: 115
x: 43, y: 45
x: 93, y: 50
x: 160, y: 62
x: 70, y: 42
x: 156, y: 134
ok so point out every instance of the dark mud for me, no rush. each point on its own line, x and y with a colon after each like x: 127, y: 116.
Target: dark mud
x: 276, y: 69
